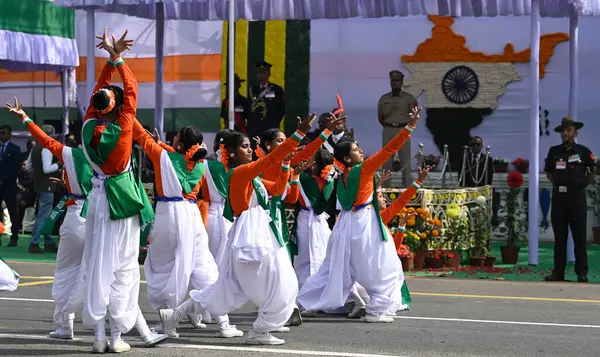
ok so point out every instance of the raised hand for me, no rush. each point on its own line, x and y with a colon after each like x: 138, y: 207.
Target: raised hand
x: 304, y: 125
x: 403, y: 218
x: 333, y: 121
x: 16, y: 108
x: 424, y: 172
x: 415, y: 116
x: 386, y: 176
x: 256, y: 140
x: 303, y: 166
x: 289, y: 156
x: 122, y: 44
x: 105, y: 43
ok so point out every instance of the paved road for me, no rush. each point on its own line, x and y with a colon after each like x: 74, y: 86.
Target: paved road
x: 448, y: 318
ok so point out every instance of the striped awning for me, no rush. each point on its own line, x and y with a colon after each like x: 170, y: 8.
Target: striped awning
x: 202, y: 10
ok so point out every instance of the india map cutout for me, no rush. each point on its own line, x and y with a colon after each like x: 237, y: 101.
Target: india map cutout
x: 462, y: 86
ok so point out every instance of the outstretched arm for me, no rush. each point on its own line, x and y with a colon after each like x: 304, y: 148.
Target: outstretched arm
x: 278, y: 187
x: 130, y: 89
x: 374, y: 162
x: 150, y: 147
x: 293, y: 191
x: 310, y: 149
x: 401, y: 202
x: 55, y: 147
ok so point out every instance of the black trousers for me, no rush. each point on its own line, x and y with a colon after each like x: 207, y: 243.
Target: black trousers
x: 569, y: 210
x: 9, y: 196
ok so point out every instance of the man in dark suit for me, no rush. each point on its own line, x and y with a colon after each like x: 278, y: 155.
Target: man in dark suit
x: 242, y: 108
x: 10, y: 164
x: 475, y: 168
x: 268, y: 102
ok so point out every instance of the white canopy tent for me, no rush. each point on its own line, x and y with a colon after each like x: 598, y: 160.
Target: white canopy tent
x: 207, y: 10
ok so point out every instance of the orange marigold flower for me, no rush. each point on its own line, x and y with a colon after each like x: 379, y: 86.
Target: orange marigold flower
x: 435, y: 233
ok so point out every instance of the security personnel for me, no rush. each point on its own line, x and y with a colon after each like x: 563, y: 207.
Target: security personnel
x: 570, y: 167
x: 268, y: 102
x: 242, y: 108
x: 393, y: 113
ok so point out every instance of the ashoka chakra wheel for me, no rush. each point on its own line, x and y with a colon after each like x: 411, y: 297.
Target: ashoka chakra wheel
x: 460, y: 85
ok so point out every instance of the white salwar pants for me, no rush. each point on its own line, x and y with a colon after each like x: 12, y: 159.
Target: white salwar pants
x: 313, y: 233
x: 356, y: 253
x: 8, y: 280
x: 255, y: 268
x: 110, y: 273
x: 68, y: 261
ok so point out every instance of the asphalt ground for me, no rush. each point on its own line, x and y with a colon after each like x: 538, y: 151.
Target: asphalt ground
x: 448, y: 317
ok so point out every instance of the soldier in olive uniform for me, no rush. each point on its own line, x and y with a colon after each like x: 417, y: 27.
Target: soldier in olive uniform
x: 268, y: 102
x: 570, y: 167
x: 393, y: 112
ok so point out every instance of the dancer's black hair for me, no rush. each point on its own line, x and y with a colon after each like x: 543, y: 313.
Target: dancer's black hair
x: 268, y: 135
x: 190, y: 136
x: 101, y: 100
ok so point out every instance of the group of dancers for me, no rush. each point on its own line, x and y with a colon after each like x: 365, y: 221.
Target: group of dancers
x: 240, y: 251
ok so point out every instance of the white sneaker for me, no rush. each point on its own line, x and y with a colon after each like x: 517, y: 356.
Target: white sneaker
x: 158, y: 328
x: 196, y: 320
x: 119, y: 346
x: 62, y: 333
x: 206, y: 317
x: 100, y: 347
x: 380, y: 318
x: 357, y: 312
x: 283, y: 329
x: 265, y: 338
x: 231, y: 331
x: 153, y: 338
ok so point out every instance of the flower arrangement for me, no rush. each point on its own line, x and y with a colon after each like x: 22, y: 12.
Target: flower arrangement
x: 501, y: 164
x: 457, y: 231
x: 439, y: 257
x: 501, y: 160
x: 516, y: 212
x: 522, y: 165
x: 481, y: 227
x: 421, y: 230
x: 405, y: 252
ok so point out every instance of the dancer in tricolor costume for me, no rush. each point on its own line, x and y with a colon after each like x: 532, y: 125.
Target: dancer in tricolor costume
x: 178, y: 256
x: 9, y: 279
x: 270, y: 139
x: 78, y: 180
x: 257, y: 266
x: 362, y: 250
x: 117, y: 208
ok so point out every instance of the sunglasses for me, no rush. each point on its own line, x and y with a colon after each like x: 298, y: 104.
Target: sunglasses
x: 475, y: 144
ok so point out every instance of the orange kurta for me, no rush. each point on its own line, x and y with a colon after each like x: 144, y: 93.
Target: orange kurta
x: 240, y: 184
x: 373, y: 163
x: 154, y: 152
x: 118, y: 160
x: 401, y: 202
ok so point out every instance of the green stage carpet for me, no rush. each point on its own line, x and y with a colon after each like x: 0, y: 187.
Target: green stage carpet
x: 521, y: 271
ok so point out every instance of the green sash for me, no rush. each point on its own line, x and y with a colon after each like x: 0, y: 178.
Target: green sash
x: 219, y: 176
x: 84, y: 173
x: 277, y: 213
x: 147, y: 211
x: 54, y: 216
x: 346, y: 194
x: 188, y: 179
x: 406, y: 299
x: 318, y: 200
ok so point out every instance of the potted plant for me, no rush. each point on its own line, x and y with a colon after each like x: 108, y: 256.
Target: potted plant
x: 457, y: 233
x: 593, y: 195
x: 500, y: 164
x: 421, y: 231
x: 482, y: 228
x: 406, y: 257
x: 438, y: 258
x: 521, y: 165
x: 516, y: 224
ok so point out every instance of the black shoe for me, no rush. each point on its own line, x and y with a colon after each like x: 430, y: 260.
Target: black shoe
x: 295, y: 319
x: 35, y: 249
x: 554, y: 277
x: 582, y: 278
x: 12, y: 243
x: 52, y: 248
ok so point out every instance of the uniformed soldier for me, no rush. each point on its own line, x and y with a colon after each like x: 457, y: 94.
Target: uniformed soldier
x: 570, y: 167
x: 242, y: 108
x: 268, y: 102
x: 393, y: 112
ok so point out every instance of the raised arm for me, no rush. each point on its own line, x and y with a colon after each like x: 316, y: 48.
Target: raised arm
x: 377, y: 160
x: 55, y: 147
x: 401, y: 202
x: 103, y: 81
x: 278, y: 187
x: 130, y: 89
x: 150, y: 147
x: 310, y: 149
x: 254, y: 169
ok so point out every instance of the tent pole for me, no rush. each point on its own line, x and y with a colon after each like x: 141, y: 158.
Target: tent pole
x: 231, y: 64
x: 90, y: 52
x: 573, y: 93
x: 64, y: 79
x: 159, y: 70
x: 534, y: 144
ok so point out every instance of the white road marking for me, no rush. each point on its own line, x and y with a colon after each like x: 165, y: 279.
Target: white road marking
x: 496, y: 322
x: 25, y: 299
x: 209, y: 347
